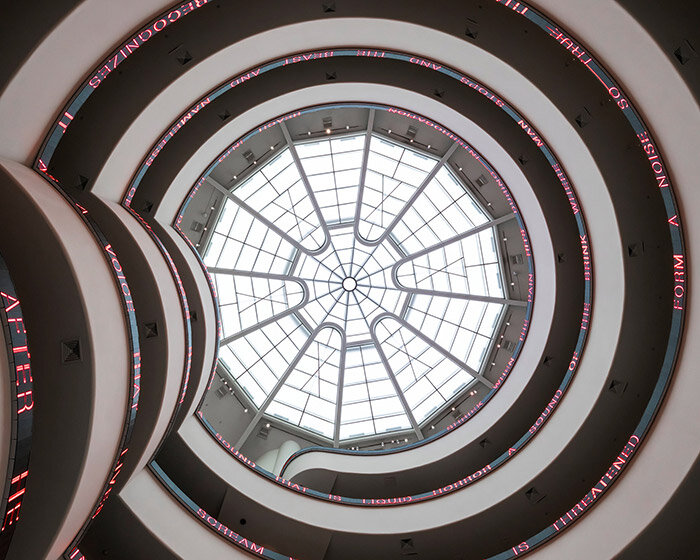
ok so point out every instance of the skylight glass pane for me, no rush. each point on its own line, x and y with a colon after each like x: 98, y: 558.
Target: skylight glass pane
x: 317, y: 425
x: 246, y: 301
x: 443, y: 210
x: 393, y: 175
x: 368, y: 393
x: 264, y: 354
x: 211, y: 256
x: 420, y: 366
x: 276, y: 191
x: 476, y: 355
x: 333, y: 171
x: 311, y: 386
x: 455, y: 267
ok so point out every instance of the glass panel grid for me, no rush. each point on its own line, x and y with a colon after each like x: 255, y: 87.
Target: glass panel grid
x: 279, y: 194
x: 407, y: 347
x: 393, y: 175
x: 368, y: 396
x: 333, y: 169
x: 308, y: 397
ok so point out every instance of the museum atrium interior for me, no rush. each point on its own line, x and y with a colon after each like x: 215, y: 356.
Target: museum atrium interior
x: 335, y: 280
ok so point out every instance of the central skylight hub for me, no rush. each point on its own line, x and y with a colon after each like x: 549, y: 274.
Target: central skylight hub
x: 349, y: 284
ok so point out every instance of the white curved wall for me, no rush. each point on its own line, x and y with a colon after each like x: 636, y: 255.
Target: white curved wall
x: 183, y: 534
x: 108, y: 341
x: 167, y: 294
x: 27, y: 106
x: 672, y: 114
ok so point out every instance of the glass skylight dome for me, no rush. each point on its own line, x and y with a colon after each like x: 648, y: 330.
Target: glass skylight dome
x: 355, y: 311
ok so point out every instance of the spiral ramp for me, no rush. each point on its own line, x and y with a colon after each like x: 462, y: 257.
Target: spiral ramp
x: 122, y: 434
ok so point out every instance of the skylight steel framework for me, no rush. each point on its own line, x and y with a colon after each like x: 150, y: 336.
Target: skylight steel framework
x: 359, y: 284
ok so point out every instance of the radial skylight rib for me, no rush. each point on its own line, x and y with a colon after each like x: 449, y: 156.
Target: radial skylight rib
x: 460, y: 266
x: 333, y: 170
x: 250, y: 301
x: 455, y: 325
x: 308, y: 396
x: 441, y: 211
x: 278, y: 190
x: 469, y: 369
x: 256, y: 359
x: 367, y: 398
x: 410, y: 203
x: 393, y: 175
x: 243, y: 211
x: 305, y: 181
